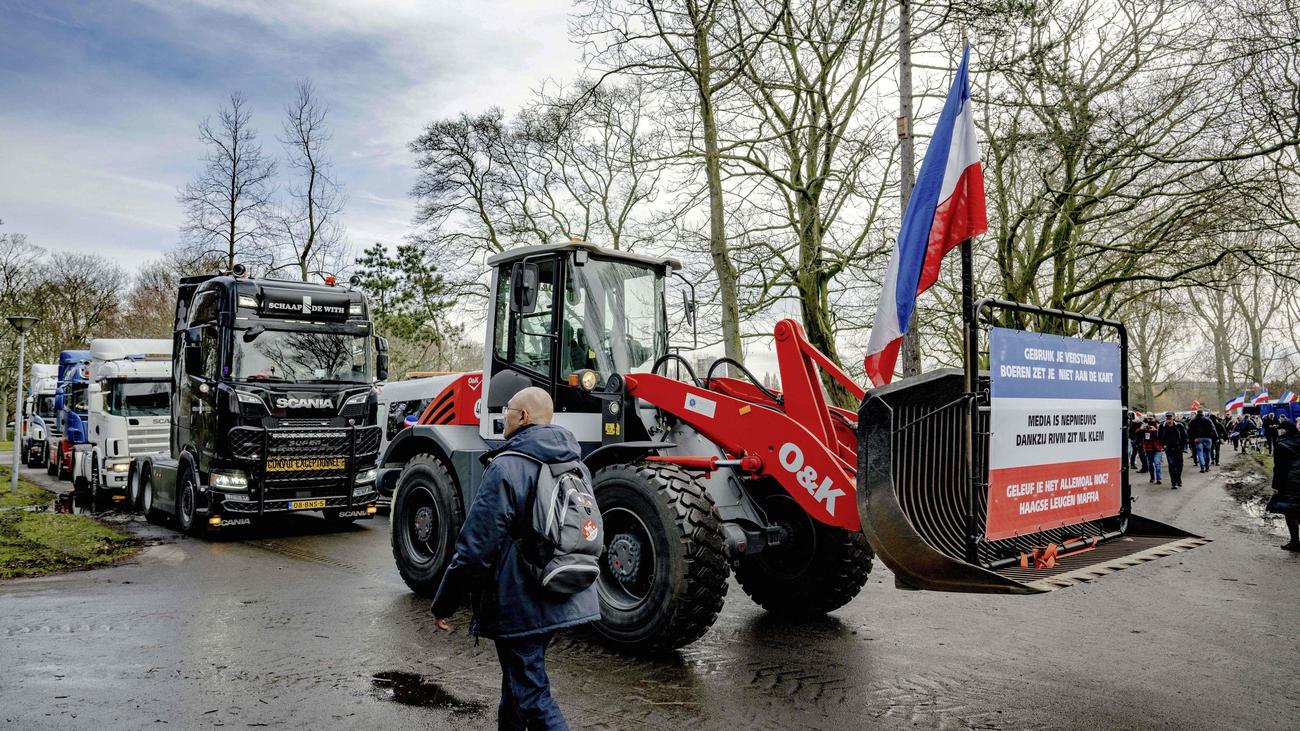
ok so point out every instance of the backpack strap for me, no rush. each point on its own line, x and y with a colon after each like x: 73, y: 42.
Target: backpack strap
x: 560, y: 468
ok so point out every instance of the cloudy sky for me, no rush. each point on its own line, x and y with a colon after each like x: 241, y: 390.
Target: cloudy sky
x: 100, y: 100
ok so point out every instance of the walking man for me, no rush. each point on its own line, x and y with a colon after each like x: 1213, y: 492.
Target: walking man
x: 1173, y: 437
x: 1270, y: 430
x: 1220, y: 434
x: 509, y: 606
x: 1135, y: 444
x: 1151, y: 448
x: 1201, y: 431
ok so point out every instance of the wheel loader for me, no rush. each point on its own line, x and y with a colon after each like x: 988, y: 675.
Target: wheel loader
x: 701, y: 476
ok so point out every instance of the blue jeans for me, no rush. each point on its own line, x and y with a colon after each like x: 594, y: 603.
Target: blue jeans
x: 1153, y: 461
x: 1203, y: 445
x: 526, y: 701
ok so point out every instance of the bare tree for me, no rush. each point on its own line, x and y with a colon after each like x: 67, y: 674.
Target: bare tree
x: 308, y: 224
x: 687, y: 47
x: 227, y: 204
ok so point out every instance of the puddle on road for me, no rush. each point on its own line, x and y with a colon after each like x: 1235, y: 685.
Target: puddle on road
x: 415, y: 690
x: 1252, y: 490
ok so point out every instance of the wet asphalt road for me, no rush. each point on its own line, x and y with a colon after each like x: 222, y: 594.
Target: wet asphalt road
x: 286, y: 626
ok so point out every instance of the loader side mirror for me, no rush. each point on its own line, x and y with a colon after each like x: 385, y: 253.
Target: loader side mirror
x: 525, y: 279
x: 381, y: 358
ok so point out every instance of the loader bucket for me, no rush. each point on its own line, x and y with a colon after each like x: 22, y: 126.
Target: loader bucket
x: 923, y: 519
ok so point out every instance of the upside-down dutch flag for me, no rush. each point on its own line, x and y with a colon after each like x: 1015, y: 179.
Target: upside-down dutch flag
x: 1260, y: 398
x: 1236, y: 402
x: 946, y: 208
x: 1286, y: 397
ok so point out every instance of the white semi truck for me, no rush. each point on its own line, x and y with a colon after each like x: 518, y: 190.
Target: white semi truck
x: 38, y: 413
x: 127, y: 415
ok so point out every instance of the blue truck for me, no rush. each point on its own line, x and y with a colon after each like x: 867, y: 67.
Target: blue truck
x: 70, y: 399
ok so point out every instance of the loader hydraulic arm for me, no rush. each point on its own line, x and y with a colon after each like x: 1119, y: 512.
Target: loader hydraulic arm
x: 798, y: 440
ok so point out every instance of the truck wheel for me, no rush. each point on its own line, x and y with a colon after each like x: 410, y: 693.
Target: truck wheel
x: 664, y: 573
x: 146, y: 499
x: 99, y: 498
x: 426, y: 520
x: 818, y: 569
x: 22, y: 457
x: 187, y: 499
x: 134, y: 498
x: 51, y: 463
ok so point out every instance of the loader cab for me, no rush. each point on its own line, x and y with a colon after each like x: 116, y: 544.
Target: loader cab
x: 559, y: 310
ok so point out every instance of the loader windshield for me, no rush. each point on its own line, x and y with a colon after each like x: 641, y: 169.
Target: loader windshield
x: 614, y: 319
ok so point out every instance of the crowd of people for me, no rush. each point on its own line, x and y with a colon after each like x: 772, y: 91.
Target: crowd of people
x: 1157, y: 448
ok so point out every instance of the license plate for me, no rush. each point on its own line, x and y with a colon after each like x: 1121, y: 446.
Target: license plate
x: 306, y: 504
x: 301, y: 465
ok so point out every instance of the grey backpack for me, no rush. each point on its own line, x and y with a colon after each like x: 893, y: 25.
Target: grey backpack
x: 563, y: 554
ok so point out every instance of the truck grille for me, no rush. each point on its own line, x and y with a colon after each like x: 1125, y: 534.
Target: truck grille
x: 146, y: 438
x: 246, y: 442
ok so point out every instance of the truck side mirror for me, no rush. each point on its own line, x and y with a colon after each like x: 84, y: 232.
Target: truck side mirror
x: 193, y: 355
x: 95, y: 398
x: 524, y: 281
x: 381, y: 358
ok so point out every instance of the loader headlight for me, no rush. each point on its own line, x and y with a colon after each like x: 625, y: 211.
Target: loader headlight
x: 228, y: 480
x: 584, y: 379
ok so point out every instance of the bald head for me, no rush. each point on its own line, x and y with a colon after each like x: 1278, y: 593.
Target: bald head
x: 530, y: 406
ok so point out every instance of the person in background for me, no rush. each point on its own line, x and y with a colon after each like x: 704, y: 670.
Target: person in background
x: 1135, y: 444
x: 1286, y: 479
x: 1201, y: 431
x: 1232, y: 432
x: 1220, y: 434
x: 1269, y: 425
x: 1152, y: 448
x: 1173, y: 437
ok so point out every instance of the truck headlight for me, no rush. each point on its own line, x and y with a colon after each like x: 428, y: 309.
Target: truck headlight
x: 365, y: 477
x: 249, y: 398
x: 121, y: 467
x: 228, y: 480
x: 356, y: 398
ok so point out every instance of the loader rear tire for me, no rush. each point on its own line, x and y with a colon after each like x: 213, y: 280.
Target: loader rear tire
x: 426, y: 518
x: 664, y: 574
x: 821, y: 569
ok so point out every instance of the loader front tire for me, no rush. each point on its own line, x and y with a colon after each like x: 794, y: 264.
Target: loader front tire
x: 426, y: 518
x: 664, y: 573
x: 820, y: 568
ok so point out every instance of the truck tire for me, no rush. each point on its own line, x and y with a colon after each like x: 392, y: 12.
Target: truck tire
x: 426, y: 519
x: 187, y: 501
x: 134, y: 495
x: 818, y: 570
x: 100, y: 500
x: 146, y: 499
x: 63, y: 474
x: 22, y: 455
x: 51, y: 464
x: 664, y: 572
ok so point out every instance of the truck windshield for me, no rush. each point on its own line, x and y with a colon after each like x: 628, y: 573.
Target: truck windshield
x: 300, y: 357
x: 76, y: 398
x: 138, y: 398
x: 45, y: 406
x: 614, y: 318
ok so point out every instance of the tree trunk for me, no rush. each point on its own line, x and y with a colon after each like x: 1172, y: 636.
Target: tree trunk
x: 907, y: 165
x: 718, y: 248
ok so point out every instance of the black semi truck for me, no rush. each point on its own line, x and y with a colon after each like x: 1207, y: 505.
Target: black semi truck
x: 273, y: 405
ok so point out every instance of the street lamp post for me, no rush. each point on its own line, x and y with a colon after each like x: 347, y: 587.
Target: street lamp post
x: 22, y: 324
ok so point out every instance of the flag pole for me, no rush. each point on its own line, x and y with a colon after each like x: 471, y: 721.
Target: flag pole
x: 970, y: 340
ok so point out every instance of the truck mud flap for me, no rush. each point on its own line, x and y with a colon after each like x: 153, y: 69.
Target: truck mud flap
x: 917, y: 512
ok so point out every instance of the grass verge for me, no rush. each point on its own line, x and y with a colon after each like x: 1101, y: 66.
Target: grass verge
x: 35, y: 543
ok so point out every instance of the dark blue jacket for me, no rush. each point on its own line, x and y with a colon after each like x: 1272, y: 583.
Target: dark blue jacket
x: 486, y: 564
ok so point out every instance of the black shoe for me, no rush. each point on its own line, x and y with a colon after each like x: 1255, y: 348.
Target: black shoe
x: 1141, y: 472
x: 1174, y: 487
x: 1292, y: 546
x: 1158, y: 482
